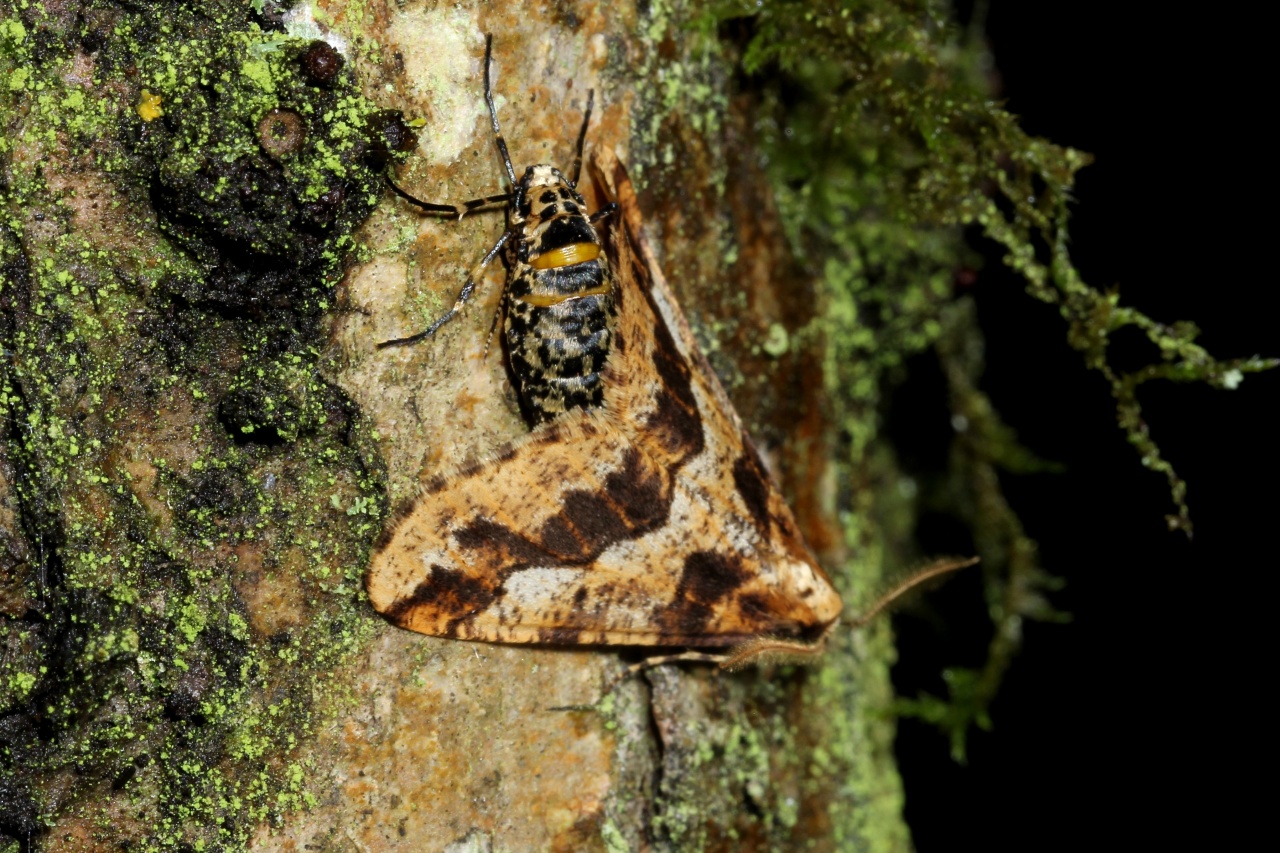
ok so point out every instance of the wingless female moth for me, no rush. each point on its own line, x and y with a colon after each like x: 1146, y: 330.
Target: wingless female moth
x: 636, y: 512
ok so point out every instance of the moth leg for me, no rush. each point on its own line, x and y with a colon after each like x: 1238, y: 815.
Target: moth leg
x: 467, y: 289
x: 717, y: 658
x: 755, y: 650
x: 608, y: 210
x: 458, y: 210
x: 493, y: 327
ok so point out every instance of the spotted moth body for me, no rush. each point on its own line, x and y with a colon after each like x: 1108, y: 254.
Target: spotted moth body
x: 636, y: 511
x: 560, y: 298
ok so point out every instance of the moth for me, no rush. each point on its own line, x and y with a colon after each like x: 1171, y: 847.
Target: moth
x: 636, y: 511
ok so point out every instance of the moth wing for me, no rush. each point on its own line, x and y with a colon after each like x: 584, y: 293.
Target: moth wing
x: 536, y: 546
x: 731, y: 524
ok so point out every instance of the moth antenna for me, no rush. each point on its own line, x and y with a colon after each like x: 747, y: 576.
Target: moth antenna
x: 760, y: 650
x: 493, y: 111
x: 936, y: 568
x: 582, y: 138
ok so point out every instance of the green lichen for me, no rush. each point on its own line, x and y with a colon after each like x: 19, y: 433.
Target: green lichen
x: 691, y: 86
x: 614, y: 840
x: 175, y: 448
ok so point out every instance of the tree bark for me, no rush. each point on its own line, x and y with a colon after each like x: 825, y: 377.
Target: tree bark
x: 197, y: 456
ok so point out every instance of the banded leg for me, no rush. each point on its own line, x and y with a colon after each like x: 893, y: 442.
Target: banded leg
x: 493, y: 327
x: 608, y: 210
x: 450, y: 209
x: 467, y: 289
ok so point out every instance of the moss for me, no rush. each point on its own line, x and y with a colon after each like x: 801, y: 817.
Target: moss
x: 691, y: 86
x: 882, y: 143
x: 886, y: 103
x: 176, y: 451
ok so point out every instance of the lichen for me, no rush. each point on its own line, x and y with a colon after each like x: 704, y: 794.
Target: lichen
x: 176, y: 453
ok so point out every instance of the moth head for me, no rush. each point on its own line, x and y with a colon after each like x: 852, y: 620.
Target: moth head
x: 542, y: 175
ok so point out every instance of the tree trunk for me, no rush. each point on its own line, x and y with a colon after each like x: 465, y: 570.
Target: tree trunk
x: 201, y: 443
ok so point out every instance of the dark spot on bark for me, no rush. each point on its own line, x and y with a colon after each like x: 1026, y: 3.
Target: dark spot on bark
x: 124, y: 777
x: 323, y: 210
x: 388, y: 134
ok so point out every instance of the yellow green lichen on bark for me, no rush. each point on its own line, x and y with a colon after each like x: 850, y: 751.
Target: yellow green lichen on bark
x: 168, y: 440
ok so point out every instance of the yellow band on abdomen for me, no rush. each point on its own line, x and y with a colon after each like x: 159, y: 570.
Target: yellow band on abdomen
x: 574, y: 253
x: 546, y: 300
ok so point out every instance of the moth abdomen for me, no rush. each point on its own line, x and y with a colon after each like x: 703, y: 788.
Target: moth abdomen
x: 558, y: 352
x: 560, y: 299
x: 543, y: 288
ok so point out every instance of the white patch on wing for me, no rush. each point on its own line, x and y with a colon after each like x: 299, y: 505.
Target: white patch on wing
x: 541, y: 584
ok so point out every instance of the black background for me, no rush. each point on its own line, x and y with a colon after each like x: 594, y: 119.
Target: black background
x: 1134, y: 723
